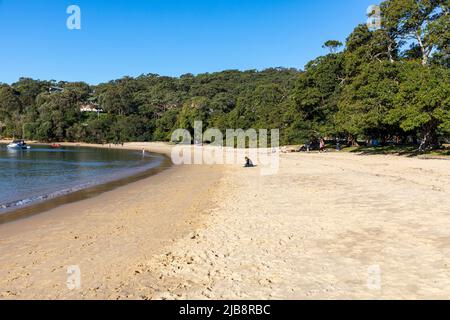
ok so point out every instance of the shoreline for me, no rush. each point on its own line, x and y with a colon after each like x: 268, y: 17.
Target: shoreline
x: 156, y: 147
x: 39, y: 206
x: 106, y: 236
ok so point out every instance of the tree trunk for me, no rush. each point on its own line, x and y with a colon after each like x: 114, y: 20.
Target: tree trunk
x: 352, y: 141
x: 390, y: 53
x: 425, y: 52
x: 425, y: 60
x: 429, y: 138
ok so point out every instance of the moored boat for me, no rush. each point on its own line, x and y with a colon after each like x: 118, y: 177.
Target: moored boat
x: 18, y: 145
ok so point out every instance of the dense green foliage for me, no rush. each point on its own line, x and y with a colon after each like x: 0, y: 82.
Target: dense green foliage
x: 149, y: 107
x: 387, y: 84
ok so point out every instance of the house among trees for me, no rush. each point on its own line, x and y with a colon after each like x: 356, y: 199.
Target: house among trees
x: 54, y: 89
x: 90, y: 107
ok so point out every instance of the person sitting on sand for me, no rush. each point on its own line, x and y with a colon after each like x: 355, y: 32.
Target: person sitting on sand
x: 248, y: 163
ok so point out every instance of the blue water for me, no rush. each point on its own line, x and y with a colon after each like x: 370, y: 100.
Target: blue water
x: 42, y: 173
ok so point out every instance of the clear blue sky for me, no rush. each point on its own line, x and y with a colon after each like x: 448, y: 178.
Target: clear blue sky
x: 168, y: 37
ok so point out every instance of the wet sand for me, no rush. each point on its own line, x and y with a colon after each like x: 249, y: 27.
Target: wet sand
x: 92, y: 191
x: 106, y: 236
x: 315, y: 230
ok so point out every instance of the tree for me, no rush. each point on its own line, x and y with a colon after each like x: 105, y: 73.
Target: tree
x: 364, y: 46
x: 10, y: 112
x: 366, y: 101
x: 316, y: 94
x: 423, y: 21
x: 332, y: 45
x: 423, y: 102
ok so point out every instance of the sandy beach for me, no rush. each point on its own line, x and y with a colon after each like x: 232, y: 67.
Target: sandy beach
x: 315, y: 230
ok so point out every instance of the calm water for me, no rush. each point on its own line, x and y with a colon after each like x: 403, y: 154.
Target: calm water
x: 41, y: 173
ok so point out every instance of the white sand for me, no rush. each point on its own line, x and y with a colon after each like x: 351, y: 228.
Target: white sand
x: 316, y: 231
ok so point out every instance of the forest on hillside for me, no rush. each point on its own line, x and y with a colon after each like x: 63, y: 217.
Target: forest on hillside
x: 390, y: 84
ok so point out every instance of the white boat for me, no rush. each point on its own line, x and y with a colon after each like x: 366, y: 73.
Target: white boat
x: 18, y: 145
